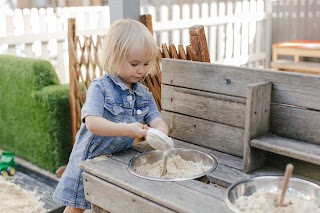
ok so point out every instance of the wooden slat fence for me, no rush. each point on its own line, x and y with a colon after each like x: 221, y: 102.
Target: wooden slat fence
x: 42, y: 33
x: 84, y: 64
x: 235, y: 30
x: 295, y: 20
x: 238, y: 31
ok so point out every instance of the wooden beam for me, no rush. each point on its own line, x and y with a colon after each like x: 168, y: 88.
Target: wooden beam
x: 124, y: 9
x: 71, y: 46
x: 257, y: 123
x: 199, y: 43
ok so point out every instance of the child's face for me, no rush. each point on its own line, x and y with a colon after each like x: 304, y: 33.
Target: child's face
x: 134, y: 67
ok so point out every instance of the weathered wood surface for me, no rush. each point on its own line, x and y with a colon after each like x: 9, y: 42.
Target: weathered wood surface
x: 312, y: 68
x: 194, y: 197
x: 257, y: 123
x: 213, y: 135
x: 97, y: 209
x: 288, y: 147
x: 111, y: 176
x: 206, y: 105
x: 285, y: 120
x: 296, y: 123
x: 302, y: 169
x: 288, y: 88
x: 115, y: 199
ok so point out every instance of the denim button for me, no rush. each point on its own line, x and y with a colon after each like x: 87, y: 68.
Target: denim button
x: 112, y: 147
x: 139, y: 112
x: 129, y: 98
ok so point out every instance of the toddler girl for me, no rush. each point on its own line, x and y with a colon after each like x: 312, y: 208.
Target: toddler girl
x: 116, y: 106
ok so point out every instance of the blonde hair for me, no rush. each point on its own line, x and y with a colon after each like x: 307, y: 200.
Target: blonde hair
x: 126, y: 37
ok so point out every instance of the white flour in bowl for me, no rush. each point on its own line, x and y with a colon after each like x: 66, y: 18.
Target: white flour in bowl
x: 176, y: 168
x: 262, y: 202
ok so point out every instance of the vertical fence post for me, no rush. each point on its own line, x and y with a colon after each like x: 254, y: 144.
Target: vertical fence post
x: 124, y: 9
x: 72, y: 38
x: 268, y: 5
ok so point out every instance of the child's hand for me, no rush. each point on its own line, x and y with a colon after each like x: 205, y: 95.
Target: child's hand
x: 136, y: 130
x: 146, y: 127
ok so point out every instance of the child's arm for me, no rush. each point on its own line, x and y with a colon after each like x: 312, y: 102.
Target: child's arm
x: 158, y: 123
x: 103, y: 127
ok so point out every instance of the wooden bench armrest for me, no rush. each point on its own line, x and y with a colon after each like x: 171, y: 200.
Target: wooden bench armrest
x: 288, y: 147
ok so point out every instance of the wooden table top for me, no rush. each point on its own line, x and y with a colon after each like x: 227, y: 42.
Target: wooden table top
x: 298, y: 44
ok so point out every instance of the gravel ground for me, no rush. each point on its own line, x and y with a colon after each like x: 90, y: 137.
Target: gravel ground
x: 43, y: 190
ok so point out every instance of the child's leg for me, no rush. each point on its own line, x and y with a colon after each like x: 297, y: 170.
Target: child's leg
x: 73, y: 210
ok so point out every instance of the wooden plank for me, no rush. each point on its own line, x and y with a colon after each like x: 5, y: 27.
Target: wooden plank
x: 124, y: 9
x: 257, y: 123
x: 305, y: 67
x: 210, y: 106
x: 288, y: 88
x: 302, y: 169
x: 72, y: 75
x: 147, y: 21
x: 115, y: 199
x: 171, y: 195
x: 182, y: 52
x: 209, y: 134
x: 295, y: 123
x: 165, y: 51
x: 199, y: 43
x: 288, y: 147
x: 97, y: 209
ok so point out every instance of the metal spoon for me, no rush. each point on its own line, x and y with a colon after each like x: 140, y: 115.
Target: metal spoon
x: 287, y: 175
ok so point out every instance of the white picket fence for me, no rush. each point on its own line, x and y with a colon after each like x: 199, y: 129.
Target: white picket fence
x: 238, y: 32
x: 295, y: 20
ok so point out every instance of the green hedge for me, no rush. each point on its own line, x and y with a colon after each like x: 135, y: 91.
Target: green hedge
x: 34, y: 112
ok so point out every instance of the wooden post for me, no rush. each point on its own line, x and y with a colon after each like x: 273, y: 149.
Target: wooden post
x: 257, y: 123
x: 147, y: 21
x: 198, y: 44
x: 72, y: 93
x: 124, y: 9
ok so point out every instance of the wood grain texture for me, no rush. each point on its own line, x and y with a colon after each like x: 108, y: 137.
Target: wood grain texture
x: 295, y: 123
x: 288, y: 147
x: 97, y: 209
x: 176, y: 197
x: 209, y: 134
x: 288, y: 88
x: 206, y: 105
x: 257, y: 123
x: 115, y: 199
x: 302, y: 169
x: 298, y: 123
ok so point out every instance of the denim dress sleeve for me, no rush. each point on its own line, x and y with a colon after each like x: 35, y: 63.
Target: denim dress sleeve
x: 153, y: 110
x: 94, y: 104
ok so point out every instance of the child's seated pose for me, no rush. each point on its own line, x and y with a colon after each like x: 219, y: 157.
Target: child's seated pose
x: 118, y: 108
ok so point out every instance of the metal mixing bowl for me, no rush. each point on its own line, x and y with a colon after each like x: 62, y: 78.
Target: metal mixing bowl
x: 186, y: 154
x: 269, y: 184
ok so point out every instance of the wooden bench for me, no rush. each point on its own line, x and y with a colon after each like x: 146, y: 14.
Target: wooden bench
x: 296, y: 49
x: 247, y: 118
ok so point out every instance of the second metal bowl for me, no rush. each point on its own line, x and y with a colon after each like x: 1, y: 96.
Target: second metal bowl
x: 269, y: 184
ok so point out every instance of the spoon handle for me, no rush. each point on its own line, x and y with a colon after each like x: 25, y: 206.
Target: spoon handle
x: 287, y: 175
x: 165, y: 160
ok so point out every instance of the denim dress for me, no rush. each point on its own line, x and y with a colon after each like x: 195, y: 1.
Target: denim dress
x: 110, y: 98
